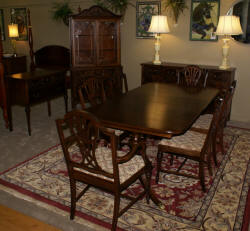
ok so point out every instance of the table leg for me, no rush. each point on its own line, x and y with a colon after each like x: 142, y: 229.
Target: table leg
x: 152, y: 196
x: 66, y: 100
x: 9, y: 112
x: 27, y: 110
x: 49, y: 107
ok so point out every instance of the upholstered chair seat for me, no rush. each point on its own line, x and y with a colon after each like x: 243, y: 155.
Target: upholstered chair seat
x: 117, y: 132
x: 203, y: 122
x: 190, y: 140
x: 104, y: 159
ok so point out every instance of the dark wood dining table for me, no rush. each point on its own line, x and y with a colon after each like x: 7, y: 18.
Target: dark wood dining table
x: 158, y: 109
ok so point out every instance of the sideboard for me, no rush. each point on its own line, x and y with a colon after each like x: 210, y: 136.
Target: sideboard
x: 167, y: 72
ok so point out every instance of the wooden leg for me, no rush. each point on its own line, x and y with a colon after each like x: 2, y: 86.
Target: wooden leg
x: 159, y: 159
x: 73, y: 198
x: 116, y: 211
x: 27, y: 110
x: 201, y: 176
x: 214, y: 149
x: 221, y: 141
x: 49, y: 107
x: 9, y: 112
x: 66, y: 100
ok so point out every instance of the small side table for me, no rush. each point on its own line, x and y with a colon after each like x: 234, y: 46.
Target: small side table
x: 36, y: 86
x: 14, y: 65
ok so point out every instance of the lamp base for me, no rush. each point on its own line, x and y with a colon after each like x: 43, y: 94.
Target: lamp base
x: 225, y: 64
x: 157, y: 62
x: 224, y: 67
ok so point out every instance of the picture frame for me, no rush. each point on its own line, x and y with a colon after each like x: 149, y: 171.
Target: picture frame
x: 204, y: 20
x: 2, y: 25
x: 19, y: 17
x: 144, y: 12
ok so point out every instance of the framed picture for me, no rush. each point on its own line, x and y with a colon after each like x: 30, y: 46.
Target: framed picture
x: 19, y: 17
x: 144, y: 12
x: 2, y: 25
x: 204, y: 20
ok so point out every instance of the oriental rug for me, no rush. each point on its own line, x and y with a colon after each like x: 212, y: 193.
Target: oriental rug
x: 43, y: 180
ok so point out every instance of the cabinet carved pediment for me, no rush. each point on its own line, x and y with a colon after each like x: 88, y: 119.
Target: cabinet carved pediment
x: 95, y: 11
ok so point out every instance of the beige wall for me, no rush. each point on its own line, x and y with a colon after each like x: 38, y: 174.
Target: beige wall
x: 175, y: 47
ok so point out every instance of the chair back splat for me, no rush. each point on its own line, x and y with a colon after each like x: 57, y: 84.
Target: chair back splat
x: 96, y: 161
x: 191, y: 76
x: 91, y: 91
x: 115, y: 86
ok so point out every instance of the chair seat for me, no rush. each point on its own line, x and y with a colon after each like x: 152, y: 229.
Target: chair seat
x: 203, y: 122
x: 190, y: 140
x: 117, y: 132
x: 126, y: 170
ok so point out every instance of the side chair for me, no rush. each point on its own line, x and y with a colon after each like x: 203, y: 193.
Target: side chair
x: 91, y: 92
x: 203, y: 122
x: 99, y: 163
x: 191, y: 76
x: 114, y: 86
x: 191, y: 145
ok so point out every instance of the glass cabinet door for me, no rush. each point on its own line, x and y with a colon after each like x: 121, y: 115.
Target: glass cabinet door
x: 83, y: 46
x: 108, y: 42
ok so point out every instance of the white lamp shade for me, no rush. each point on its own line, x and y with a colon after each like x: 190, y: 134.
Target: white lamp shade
x: 13, y: 30
x: 159, y: 24
x: 229, y: 25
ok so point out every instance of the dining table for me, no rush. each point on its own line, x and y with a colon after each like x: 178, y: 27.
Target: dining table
x: 158, y: 109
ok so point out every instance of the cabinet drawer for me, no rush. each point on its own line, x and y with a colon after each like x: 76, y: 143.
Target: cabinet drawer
x: 155, y: 73
x: 218, y: 79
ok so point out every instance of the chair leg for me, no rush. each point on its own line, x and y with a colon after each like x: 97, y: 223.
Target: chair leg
x: 73, y: 198
x: 49, y: 108
x: 159, y: 159
x: 221, y: 141
x: 201, y: 176
x: 148, y: 182
x: 172, y: 160
x: 214, y: 141
x: 116, y: 211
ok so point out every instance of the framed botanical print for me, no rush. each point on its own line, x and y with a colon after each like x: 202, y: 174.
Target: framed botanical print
x: 204, y: 20
x: 2, y: 35
x: 144, y: 12
x: 19, y: 17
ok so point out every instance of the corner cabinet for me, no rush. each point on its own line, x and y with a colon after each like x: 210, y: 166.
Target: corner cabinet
x: 95, y: 46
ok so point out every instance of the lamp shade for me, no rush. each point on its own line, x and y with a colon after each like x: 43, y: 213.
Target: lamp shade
x: 159, y: 24
x: 229, y: 25
x: 13, y: 30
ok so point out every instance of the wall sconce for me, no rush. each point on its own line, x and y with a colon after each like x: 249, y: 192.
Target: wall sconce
x: 13, y: 33
x: 228, y: 25
x: 158, y: 25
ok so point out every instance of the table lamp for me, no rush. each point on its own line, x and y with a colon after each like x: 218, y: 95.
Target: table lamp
x: 228, y: 25
x: 13, y: 33
x: 158, y: 25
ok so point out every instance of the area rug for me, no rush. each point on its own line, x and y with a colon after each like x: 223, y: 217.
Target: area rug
x: 43, y: 180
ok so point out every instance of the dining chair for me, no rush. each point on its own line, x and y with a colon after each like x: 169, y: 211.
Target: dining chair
x: 91, y: 92
x: 203, y: 122
x: 114, y: 86
x: 191, y: 145
x: 191, y: 76
x: 98, y: 162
